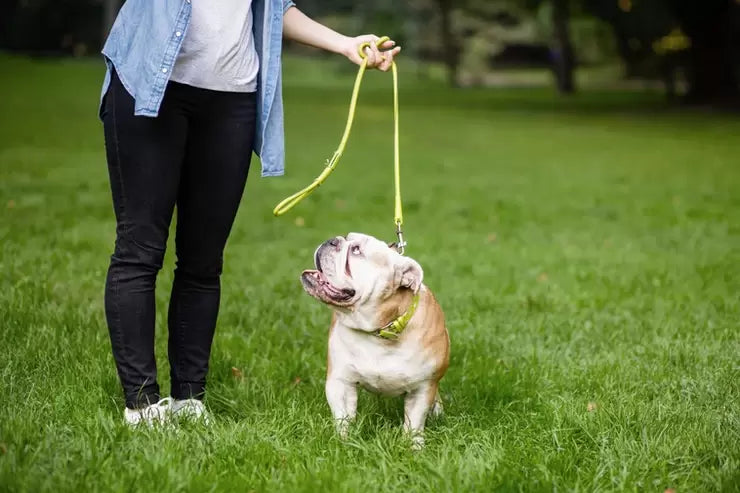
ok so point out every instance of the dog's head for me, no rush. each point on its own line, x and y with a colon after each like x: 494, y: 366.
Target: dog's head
x: 359, y: 270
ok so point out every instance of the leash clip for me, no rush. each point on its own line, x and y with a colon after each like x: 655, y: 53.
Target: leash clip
x: 401, y: 245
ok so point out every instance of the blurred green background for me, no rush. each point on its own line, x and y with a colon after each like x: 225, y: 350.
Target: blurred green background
x: 583, y: 240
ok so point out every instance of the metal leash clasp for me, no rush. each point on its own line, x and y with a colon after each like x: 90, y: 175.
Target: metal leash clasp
x: 401, y: 245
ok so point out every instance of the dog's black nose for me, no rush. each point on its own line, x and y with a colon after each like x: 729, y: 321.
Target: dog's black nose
x: 334, y: 242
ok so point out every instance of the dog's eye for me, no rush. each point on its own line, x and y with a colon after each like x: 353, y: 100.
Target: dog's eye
x: 355, y: 250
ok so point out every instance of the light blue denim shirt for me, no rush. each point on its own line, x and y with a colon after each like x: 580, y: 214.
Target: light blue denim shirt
x: 143, y: 45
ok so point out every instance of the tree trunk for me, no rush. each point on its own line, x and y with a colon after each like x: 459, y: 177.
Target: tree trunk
x: 110, y: 11
x: 450, y: 48
x: 628, y: 56
x: 564, y: 58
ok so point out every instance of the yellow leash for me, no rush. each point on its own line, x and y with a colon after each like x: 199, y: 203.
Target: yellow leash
x: 289, y: 202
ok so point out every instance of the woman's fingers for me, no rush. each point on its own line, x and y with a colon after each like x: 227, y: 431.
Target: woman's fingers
x: 370, y: 55
x: 387, y: 45
x: 388, y: 57
x: 377, y: 56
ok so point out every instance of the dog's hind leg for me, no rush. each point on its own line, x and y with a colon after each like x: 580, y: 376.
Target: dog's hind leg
x: 416, y: 408
x: 437, y: 409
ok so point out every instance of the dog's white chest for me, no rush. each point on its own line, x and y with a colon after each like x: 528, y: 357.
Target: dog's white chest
x: 388, y: 369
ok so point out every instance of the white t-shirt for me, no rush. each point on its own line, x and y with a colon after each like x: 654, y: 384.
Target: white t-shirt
x: 218, y: 50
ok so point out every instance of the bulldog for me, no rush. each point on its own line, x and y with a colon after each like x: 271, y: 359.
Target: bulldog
x: 387, y: 334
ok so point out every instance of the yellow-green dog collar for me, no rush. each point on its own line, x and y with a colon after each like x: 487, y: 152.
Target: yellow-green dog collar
x: 393, y: 330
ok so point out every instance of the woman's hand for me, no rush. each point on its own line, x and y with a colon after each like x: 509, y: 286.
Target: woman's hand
x: 382, y: 60
x: 298, y: 27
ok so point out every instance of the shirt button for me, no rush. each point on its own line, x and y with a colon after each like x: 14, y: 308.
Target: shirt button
x: 164, y: 70
x: 178, y: 34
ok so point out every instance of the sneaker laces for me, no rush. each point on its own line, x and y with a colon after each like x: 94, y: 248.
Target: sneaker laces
x: 152, y: 414
x: 192, y: 409
x: 159, y: 409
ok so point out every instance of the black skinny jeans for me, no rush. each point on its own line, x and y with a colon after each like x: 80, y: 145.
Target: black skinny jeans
x: 195, y: 155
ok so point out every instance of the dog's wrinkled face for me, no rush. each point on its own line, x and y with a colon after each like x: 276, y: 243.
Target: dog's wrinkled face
x: 358, y: 269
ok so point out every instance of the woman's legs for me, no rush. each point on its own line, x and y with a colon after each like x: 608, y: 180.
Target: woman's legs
x: 219, y: 148
x: 145, y: 158
x: 195, y: 154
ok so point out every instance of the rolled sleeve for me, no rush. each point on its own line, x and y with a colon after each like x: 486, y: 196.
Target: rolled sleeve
x: 287, y: 4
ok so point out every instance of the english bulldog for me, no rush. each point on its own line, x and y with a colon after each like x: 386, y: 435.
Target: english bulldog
x: 387, y: 333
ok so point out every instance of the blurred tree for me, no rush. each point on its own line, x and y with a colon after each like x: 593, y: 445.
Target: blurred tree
x: 660, y: 36
x: 507, y: 13
x: 564, y: 61
x: 636, y: 24
x: 110, y: 11
x: 450, y: 45
x: 10, y: 9
x: 51, y: 26
x: 713, y: 27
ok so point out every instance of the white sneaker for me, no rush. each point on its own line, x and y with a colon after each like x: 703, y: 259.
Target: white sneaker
x: 151, y: 415
x: 190, y: 409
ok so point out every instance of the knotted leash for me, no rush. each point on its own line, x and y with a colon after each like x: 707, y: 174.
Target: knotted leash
x: 289, y: 202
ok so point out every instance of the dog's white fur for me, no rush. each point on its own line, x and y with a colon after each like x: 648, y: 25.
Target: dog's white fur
x: 368, y: 284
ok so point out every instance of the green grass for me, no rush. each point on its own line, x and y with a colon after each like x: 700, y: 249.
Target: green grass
x: 584, y: 250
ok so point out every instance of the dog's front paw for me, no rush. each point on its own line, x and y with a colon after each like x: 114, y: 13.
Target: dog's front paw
x: 417, y: 442
x: 342, y: 427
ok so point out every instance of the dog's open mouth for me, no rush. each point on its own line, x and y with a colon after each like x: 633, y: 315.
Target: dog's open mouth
x: 317, y: 285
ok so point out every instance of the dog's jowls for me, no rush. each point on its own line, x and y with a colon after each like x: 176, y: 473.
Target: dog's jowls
x: 369, y: 284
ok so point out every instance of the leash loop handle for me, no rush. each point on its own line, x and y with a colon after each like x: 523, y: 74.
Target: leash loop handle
x: 368, y: 44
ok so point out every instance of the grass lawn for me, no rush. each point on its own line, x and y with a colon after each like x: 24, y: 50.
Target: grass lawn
x: 586, y: 253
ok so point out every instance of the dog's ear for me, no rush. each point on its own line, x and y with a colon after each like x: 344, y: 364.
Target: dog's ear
x: 409, y: 274
x: 393, y: 246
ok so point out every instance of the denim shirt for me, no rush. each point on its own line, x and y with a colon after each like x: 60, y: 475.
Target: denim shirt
x: 143, y: 45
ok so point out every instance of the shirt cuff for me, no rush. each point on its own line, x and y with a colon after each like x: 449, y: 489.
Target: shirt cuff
x: 287, y: 4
